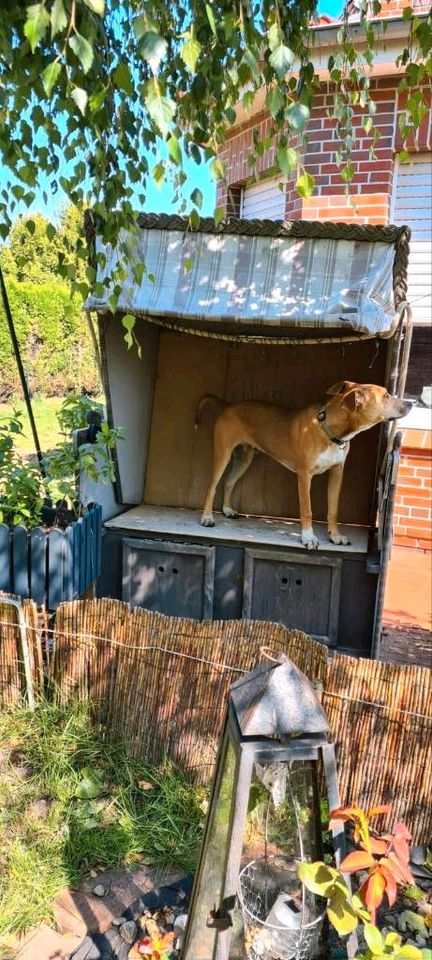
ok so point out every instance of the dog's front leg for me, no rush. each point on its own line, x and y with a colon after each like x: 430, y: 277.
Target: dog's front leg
x: 308, y: 537
x: 334, y: 489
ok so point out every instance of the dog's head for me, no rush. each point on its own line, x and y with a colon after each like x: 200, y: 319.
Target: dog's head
x: 367, y: 402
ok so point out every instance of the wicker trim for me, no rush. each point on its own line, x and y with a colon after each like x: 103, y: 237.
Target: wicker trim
x: 399, y: 237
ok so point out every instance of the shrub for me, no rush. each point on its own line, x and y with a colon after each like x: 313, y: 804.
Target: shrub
x: 52, y: 332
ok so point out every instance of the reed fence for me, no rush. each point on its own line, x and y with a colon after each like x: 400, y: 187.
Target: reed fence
x: 160, y: 684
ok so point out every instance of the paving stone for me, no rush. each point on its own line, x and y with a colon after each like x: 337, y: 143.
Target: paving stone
x: 44, y: 943
x: 80, y: 911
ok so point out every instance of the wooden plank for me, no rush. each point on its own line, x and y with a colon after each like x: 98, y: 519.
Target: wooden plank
x: 20, y: 561
x: 69, y: 536
x: 302, y: 592
x: 171, y: 578
x: 167, y: 522
x: 78, y: 573
x: 180, y: 457
x: 55, y: 593
x: 38, y: 549
x: 5, y: 559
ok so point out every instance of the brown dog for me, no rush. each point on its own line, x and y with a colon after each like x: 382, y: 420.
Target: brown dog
x: 309, y: 442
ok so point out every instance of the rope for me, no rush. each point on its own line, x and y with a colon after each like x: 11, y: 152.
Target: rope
x: 378, y: 706
x: 211, y: 663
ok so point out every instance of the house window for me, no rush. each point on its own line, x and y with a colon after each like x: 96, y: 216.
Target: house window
x: 263, y: 201
x: 412, y: 205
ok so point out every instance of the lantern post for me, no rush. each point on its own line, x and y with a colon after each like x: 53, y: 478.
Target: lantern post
x: 263, y: 820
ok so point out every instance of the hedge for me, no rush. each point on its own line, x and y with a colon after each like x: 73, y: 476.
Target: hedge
x: 54, y: 339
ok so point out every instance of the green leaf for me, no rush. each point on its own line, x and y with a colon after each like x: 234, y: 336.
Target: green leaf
x: 153, y: 48
x: 174, y: 149
x: 79, y: 96
x: 274, y: 36
x: 217, y: 169
x: 282, y: 59
x: 158, y: 174
x: 122, y: 78
x: 58, y: 17
x: 219, y: 215
x: 190, y: 52
x: 35, y: 26
x: 82, y: 50
x: 50, y: 231
x: 275, y: 101
x: 160, y: 108
x: 197, y: 198
x: 319, y: 878
x: 96, y: 6
x: 90, y: 786
x: 194, y: 219
x: 128, y: 322
x: 287, y: 159
x: 340, y: 913
x: 30, y: 226
x: 297, y: 115
x: 49, y: 76
x: 188, y: 264
x: 373, y: 938
x: 211, y: 18
x: 305, y: 185
x: 97, y: 99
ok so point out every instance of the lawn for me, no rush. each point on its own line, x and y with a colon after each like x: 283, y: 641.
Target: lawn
x: 45, y: 414
x: 70, y: 801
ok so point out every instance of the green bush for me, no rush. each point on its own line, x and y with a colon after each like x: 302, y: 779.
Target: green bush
x: 56, y: 347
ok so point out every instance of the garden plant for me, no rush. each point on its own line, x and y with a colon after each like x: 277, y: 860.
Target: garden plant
x: 26, y: 495
x: 382, y: 861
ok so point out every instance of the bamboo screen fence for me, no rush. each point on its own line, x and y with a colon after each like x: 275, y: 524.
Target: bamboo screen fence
x: 159, y: 683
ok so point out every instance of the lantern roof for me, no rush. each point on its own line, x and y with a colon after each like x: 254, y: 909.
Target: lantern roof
x: 277, y: 700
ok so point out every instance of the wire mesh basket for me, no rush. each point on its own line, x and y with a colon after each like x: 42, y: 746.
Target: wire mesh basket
x: 275, y: 928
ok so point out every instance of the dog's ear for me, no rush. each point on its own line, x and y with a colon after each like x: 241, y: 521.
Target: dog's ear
x: 353, y: 400
x: 341, y: 387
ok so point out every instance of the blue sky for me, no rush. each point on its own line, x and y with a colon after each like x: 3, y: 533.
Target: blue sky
x: 161, y: 200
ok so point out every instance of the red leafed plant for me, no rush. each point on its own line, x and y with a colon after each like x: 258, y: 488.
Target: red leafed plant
x: 385, y: 856
x: 155, y: 947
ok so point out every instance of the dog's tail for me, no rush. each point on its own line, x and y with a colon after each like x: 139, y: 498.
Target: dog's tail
x: 208, y: 409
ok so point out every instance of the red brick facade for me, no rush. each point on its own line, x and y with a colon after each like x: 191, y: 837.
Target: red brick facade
x: 371, y: 195
x: 412, y: 521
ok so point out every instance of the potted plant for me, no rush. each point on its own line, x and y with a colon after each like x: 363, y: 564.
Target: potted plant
x: 50, y: 543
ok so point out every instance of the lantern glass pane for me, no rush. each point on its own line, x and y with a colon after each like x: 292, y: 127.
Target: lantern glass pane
x: 279, y: 916
x: 202, y: 939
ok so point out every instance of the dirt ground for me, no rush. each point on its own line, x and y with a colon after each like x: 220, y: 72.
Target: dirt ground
x: 407, y: 620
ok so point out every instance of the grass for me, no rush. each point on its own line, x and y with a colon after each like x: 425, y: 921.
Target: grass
x: 99, y: 807
x: 45, y: 413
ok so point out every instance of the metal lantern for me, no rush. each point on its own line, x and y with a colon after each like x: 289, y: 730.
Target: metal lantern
x: 263, y: 819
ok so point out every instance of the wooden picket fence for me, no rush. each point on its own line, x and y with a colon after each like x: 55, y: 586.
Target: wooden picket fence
x: 160, y: 684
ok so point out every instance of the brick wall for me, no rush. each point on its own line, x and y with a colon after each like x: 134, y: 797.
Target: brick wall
x: 412, y: 519
x: 371, y: 192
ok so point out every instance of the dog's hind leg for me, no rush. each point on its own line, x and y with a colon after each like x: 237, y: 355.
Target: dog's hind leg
x: 241, y: 462
x: 223, y: 448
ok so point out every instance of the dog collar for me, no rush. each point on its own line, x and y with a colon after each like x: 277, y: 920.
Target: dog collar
x: 321, y: 420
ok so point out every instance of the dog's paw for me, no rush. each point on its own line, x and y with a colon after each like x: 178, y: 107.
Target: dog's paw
x: 338, y: 540
x: 310, y: 541
x: 229, y: 512
x: 207, y: 521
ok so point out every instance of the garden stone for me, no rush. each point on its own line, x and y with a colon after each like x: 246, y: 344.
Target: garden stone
x: 418, y: 855
x: 81, y: 912
x: 128, y: 931
x: 421, y: 941
x: 99, y: 890
x: 118, y: 921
